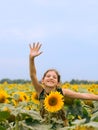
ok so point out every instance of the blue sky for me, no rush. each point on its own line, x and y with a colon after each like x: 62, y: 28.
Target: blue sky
x: 67, y: 29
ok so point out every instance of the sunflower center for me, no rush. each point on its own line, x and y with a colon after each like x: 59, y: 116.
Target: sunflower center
x: 25, y: 97
x: 53, y: 101
x: 2, y: 99
x: 36, y: 97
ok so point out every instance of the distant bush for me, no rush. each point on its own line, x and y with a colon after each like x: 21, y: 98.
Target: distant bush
x: 20, y: 81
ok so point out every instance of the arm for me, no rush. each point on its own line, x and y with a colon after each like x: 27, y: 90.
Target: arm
x: 34, y: 52
x: 78, y: 95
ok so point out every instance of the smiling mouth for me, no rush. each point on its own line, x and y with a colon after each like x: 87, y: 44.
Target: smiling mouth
x: 51, y: 82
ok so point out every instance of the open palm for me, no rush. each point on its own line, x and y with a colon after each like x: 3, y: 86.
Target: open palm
x: 34, y: 50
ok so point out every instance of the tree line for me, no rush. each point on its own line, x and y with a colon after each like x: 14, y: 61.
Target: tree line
x: 23, y: 81
x: 16, y: 81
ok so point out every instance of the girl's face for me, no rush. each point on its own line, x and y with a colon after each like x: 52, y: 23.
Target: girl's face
x: 50, y: 79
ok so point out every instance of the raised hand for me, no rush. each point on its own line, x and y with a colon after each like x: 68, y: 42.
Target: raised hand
x: 34, y: 50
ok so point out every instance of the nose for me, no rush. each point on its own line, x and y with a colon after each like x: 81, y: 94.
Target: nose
x: 51, y: 77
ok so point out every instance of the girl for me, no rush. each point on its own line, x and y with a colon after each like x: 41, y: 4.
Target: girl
x: 50, y: 82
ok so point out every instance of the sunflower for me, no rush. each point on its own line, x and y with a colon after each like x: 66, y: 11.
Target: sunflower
x: 34, y: 98
x: 20, y: 96
x: 3, y: 96
x: 84, y: 128
x: 54, y: 102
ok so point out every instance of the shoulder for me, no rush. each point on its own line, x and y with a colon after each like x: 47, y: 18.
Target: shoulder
x: 39, y: 89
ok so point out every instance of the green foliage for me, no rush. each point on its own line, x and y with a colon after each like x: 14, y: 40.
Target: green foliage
x: 4, y: 115
x: 17, y: 81
x: 77, y: 111
x: 2, y: 128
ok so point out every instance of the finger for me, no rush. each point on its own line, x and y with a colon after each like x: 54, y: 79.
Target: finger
x: 39, y: 46
x: 34, y: 45
x: 30, y: 46
x: 41, y: 52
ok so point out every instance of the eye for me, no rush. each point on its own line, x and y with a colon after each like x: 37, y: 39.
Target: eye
x: 54, y: 77
x: 48, y: 76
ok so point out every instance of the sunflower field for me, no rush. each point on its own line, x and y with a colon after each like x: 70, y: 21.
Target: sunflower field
x: 19, y: 108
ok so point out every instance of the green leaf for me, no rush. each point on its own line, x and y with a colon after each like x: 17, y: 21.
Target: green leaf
x: 4, y: 115
x: 2, y: 128
x: 31, y: 121
x: 95, y: 119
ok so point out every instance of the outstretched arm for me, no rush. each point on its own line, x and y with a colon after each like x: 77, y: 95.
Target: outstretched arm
x: 78, y: 95
x: 34, y: 52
